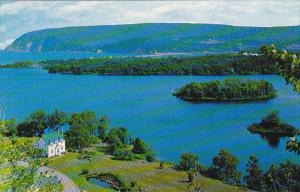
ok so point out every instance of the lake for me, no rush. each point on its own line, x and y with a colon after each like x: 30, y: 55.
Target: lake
x: 145, y: 105
x: 8, y: 57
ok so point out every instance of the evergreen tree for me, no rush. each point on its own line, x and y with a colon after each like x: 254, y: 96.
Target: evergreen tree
x: 82, y: 129
x: 104, y: 124
x: 225, y: 167
x: 255, y: 179
x: 57, y: 119
x: 139, y: 146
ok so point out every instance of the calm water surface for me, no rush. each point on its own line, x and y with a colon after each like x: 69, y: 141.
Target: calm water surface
x: 145, y: 105
x: 100, y: 183
x: 8, y: 57
x: 11, y: 57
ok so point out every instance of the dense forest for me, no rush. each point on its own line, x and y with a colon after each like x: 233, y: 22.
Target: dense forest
x: 227, y: 90
x: 226, y: 64
x: 271, y: 61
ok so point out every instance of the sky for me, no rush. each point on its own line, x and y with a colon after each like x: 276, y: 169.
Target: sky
x: 19, y: 17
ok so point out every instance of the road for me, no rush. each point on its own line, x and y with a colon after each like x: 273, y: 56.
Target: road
x: 69, y: 185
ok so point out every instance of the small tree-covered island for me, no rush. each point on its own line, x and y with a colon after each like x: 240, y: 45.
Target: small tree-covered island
x: 229, y: 90
x: 273, y: 125
x: 272, y: 129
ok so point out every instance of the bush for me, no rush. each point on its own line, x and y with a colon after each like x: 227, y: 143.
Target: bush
x: 84, y: 171
x: 123, y: 155
x: 86, y: 155
x: 161, y: 165
x: 202, y: 168
x: 139, y: 147
x: 118, y: 182
x: 188, y: 161
x: 94, y: 140
x: 150, y: 157
x: 190, y: 176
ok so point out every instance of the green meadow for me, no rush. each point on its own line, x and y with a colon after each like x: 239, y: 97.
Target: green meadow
x: 148, y: 176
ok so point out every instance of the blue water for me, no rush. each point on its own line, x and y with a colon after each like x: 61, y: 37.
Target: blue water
x: 11, y: 57
x: 98, y: 182
x: 145, y: 105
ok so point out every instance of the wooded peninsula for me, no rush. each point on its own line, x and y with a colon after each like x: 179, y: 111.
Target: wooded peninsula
x: 223, y: 64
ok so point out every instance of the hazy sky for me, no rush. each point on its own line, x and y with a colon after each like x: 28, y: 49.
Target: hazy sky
x: 17, y: 18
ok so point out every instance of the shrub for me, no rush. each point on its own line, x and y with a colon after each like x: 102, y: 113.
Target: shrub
x: 188, y: 161
x: 150, y: 157
x: 123, y: 155
x: 84, y: 171
x: 190, y: 176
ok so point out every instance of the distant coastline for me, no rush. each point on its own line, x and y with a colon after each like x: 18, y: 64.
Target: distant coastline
x: 151, y: 38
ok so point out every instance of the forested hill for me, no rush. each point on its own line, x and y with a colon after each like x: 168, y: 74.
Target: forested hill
x: 160, y: 37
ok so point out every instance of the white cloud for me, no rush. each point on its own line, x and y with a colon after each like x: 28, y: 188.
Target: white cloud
x: 11, y: 8
x: 18, y: 6
x: 107, y: 12
x: 2, y: 29
x: 6, y: 43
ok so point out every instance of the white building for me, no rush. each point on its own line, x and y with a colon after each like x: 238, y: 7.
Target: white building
x: 251, y: 54
x: 52, y: 144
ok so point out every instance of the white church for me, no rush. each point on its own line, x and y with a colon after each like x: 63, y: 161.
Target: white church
x: 52, y: 144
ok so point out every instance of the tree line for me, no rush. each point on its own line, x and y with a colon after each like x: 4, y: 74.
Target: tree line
x: 21, y: 64
x: 83, y: 130
x: 282, y: 177
x: 224, y: 64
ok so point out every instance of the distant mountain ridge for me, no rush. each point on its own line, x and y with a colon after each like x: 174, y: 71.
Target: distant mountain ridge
x: 152, y: 38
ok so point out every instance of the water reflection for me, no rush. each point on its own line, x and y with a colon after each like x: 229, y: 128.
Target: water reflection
x: 272, y: 139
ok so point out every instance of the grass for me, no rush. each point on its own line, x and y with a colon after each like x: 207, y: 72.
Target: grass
x: 148, y: 176
x: 5, y: 171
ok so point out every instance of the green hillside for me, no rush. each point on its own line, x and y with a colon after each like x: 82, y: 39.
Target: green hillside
x: 157, y: 38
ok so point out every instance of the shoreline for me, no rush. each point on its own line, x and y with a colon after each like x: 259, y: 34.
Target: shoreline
x: 214, y: 100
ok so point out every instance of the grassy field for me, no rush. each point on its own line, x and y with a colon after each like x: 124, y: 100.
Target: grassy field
x: 148, y: 176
